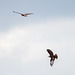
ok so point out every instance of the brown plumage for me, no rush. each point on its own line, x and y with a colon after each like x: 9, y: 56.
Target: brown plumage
x: 52, y: 56
x: 25, y: 15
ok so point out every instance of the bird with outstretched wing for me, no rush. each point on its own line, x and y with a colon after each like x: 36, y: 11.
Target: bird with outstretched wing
x: 25, y: 15
x: 52, y: 56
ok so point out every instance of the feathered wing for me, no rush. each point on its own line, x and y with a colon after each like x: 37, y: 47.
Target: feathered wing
x: 28, y: 13
x: 17, y: 12
x: 23, y: 14
x: 51, y: 63
x: 50, y: 52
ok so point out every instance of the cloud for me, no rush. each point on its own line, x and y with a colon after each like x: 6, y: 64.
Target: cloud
x: 23, y: 48
x: 30, y: 43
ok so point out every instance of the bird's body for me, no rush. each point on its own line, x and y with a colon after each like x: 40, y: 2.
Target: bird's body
x: 25, y: 15
x: 52, y: 56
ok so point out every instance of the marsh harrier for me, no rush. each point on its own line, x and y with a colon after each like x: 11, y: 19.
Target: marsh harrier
x: 52, y: 56
x: 25, y: 15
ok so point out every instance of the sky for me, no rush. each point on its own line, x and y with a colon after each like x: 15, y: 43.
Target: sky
x: 24, y: 40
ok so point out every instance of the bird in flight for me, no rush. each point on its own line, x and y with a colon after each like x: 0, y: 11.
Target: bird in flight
x: 52, y: 56
x: 25, y: 15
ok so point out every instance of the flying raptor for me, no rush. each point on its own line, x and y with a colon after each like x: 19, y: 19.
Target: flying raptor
x: 52, y: 56
x: 25, y: 15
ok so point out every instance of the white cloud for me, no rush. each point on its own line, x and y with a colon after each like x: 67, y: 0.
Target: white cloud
x: 30, y: 43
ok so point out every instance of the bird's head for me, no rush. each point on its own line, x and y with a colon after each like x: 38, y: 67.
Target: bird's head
x: 49, y: 56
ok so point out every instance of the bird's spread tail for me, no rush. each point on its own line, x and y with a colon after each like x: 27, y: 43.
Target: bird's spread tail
x: 56, y: 56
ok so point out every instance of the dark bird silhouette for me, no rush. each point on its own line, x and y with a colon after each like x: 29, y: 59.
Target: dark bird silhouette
x: 52, y: 56
x: 25, y: 15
